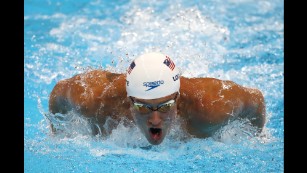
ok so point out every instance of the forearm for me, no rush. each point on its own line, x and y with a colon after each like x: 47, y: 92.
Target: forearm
x: 255, y: 109
x: 58, y: 101
x: 260, y: 115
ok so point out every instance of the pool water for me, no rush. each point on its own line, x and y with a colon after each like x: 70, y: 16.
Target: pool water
x: 238, y: 40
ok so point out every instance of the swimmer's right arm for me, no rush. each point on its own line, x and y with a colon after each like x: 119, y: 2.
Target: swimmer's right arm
x: 79, y: 93
x: 92, y: 94
x: 58, y: 100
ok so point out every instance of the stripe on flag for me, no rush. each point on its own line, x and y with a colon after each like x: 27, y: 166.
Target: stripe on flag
x: 168, y: 62
x: 132, y: 65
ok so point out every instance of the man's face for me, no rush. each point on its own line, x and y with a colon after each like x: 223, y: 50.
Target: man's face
x: 154, y: 124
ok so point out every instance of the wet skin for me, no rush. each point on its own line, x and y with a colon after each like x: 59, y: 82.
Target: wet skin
x: 155, y: 124
x: 204, y: 104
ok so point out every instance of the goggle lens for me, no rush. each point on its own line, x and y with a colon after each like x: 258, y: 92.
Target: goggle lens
x: 145, y: 108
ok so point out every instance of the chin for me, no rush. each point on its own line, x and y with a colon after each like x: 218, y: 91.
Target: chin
x: 155, y: 142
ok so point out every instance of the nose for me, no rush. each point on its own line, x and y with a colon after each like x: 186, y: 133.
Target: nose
x: 155, y: 119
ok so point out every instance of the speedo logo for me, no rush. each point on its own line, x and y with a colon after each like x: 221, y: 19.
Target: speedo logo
x: 153, y: 85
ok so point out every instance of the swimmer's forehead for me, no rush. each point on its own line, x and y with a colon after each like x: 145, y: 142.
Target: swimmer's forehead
x: 157, y: 100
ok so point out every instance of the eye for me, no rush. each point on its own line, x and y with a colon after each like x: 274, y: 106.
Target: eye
x: 165, y: 107
x: 142, y: 108
x: 138, y: 105
x: 169, y: 103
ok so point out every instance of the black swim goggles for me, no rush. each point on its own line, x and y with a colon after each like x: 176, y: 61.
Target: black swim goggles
x: 145, y: 108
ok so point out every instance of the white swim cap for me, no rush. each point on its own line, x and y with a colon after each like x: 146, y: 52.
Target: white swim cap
x: 152, y: 75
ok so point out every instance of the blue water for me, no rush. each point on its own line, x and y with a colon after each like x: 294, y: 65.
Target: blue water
x: 238, y: 40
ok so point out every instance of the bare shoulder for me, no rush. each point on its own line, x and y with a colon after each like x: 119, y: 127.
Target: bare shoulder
x: 78, y: 84
x: 212, y: 101
x: 218, y: 89
x: 87, y: 92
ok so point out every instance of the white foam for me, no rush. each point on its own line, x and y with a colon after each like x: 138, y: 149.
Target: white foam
x: 195, y: 40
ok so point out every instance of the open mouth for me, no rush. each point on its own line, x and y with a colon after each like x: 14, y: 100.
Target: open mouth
x: 155, y: 133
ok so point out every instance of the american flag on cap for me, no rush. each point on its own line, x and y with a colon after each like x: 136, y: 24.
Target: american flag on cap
x: 168, y: 62
x: 132, y: 65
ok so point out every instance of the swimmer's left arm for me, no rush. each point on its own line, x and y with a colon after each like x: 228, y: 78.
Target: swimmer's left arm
x: 255, y: 106
x: 246, y: 102
x: 209, y: 102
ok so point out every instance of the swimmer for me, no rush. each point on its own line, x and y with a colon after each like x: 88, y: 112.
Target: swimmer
x: 151, y: 94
